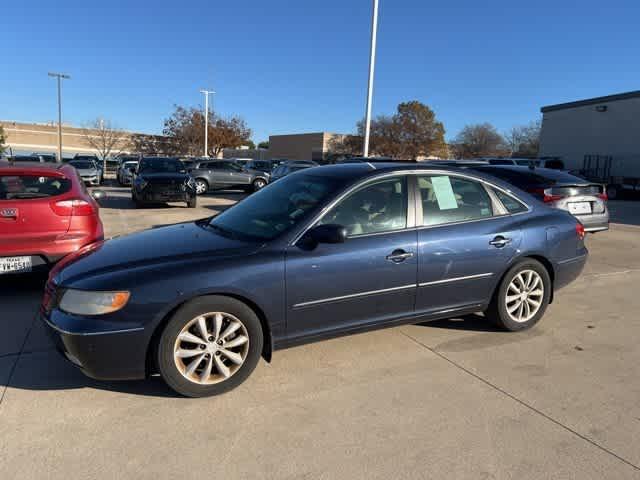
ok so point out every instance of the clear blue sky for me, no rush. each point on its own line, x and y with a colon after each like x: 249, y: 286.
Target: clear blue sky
x: 301, y: 65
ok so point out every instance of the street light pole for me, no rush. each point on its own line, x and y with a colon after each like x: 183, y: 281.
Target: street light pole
x: 59, y: 77
x: 206, y: 120
x: 372, y: 64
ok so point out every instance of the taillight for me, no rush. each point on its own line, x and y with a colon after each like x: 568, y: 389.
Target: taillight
x: 603, y: 196
x: 580, y: 230
x: 69, y: 208
x: 545, y: 194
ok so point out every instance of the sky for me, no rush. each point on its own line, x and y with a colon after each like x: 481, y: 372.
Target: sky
x: 301, y: 65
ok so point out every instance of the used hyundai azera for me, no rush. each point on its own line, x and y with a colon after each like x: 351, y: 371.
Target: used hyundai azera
x: 323, y: 252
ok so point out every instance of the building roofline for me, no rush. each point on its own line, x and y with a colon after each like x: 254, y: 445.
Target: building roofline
x: 591, y: 101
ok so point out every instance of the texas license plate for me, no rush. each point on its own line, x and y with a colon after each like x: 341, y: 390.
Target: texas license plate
x: 15, y: 265
x: 579, y: 208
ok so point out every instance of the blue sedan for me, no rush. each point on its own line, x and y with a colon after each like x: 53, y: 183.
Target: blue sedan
x: 325, y: 251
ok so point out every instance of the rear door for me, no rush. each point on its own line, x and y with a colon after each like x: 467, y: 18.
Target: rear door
x: 27, y: 218
x: 237, y: 174
x: 466, y: 241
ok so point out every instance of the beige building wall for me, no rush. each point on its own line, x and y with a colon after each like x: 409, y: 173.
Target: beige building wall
x: 600, y: 126
x: 43, y: 138
x: 301, y: 146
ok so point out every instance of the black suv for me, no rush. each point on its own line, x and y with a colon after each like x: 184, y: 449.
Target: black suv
x: 159, y: 180
x: 226, y: 174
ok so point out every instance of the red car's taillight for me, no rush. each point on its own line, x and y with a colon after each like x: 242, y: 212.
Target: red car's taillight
x: 580, y: 230
x: 69, y: 208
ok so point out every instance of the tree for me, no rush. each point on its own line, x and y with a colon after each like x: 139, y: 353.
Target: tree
x: 264, y: 145
x: 104, y: 138
x: 185, y: 132
x: 412, y: 132
x: 250, y: 144
x: 151, y: 144
x: 479, y: 140
x: 524, y: 140
x: 3, y: 140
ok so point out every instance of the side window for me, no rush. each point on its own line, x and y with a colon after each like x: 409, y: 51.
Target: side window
x: 511, y: 204
x: 448, y: 199
x: 381, y: 207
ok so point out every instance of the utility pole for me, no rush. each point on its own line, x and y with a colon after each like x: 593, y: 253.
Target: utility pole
x: 372, y: 64
x: 206, y: 120
x: 59, y: 77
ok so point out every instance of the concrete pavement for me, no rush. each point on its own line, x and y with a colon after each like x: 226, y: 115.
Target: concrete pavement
x: 446, y: 399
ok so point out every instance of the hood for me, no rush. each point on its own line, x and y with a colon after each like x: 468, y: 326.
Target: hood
x: 183, y: 241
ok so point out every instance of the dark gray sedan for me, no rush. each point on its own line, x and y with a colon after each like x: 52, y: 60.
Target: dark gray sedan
x: 226, y: 174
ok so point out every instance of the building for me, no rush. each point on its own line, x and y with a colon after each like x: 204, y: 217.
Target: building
x: 600, y: 133
x: 26, y: 138
x: 301, y: 146
x: 252, y: 153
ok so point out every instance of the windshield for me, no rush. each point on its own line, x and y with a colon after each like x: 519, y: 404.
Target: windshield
x: 277, y: 208
x: 160, y: 165
x: 82, y: 165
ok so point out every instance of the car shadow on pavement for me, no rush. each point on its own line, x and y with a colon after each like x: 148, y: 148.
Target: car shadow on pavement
x: 472, y: 323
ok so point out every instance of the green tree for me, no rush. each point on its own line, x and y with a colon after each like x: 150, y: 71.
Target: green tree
x: 264, y: 145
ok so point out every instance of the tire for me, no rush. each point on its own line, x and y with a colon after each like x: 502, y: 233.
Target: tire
x: 202, y: 186
x: 501, y: 310
x: 258, y: 184
x: 175, y: 369
x: 192, y: 202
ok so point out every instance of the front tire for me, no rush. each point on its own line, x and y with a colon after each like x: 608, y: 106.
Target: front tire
x: 210, y: 346
x: 258, y: 184
x: 192, y: 202
x: 522, y: 297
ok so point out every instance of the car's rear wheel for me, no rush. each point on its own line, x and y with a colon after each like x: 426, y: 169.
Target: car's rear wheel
x: 202, y: 186
x: 210, y: 346
x: 522, y: 297
x: 192, y: 202
x: 258, y: 184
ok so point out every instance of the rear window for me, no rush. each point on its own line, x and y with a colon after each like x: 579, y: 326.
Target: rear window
x: 25, y: 158
x: 32, y: 186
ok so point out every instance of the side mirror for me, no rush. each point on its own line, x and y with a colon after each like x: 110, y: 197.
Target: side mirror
x: 328, y: 234
x: 98, y: 195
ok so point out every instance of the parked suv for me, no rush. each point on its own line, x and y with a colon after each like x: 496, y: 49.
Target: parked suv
x: 226, y: 174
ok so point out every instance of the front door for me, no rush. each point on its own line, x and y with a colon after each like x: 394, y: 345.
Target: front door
x: 370, y: 278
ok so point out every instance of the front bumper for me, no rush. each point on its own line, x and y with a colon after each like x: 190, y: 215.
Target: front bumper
x: 101, y: 349
x: 95, y: 180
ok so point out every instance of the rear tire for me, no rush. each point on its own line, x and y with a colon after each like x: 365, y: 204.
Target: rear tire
x: 192, y: 202
x: 202, y: 186
x: 522, y: 296
x: 258, y: 184
x: 216, y: 373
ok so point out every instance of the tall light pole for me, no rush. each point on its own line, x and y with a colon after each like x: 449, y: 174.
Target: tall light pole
x: 372, y: 65
x: 206, y: 120
x: 59, y: 76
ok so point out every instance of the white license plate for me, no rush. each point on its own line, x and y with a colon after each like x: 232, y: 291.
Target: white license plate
x: 15, y: 265
x: 579, y: 208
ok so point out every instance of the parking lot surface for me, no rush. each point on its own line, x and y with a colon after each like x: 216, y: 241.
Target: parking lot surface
x: 446, y: 399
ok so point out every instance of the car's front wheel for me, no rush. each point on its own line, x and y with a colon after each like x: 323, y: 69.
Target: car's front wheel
x: 522, y: 297
x: 210, y: 346
x: 201, y: 186
x: 192, y: 202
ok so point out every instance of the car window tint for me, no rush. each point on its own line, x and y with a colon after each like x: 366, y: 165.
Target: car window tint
x: 381, y: 207
x: 32, y: 186
x: 448, y: 199
x: 511, y: 204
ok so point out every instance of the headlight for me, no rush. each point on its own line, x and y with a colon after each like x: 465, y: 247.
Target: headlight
x: 80, y: 302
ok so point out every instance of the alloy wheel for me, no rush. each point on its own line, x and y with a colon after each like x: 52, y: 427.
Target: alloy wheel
x: 258, y: 184
x: 524, y: 296
x: 201, y: 187
x: 211, y: 348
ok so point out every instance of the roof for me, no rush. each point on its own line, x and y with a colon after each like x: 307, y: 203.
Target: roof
x: 591, y: 101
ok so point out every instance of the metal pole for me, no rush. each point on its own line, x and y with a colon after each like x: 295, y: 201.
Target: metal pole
x: 372, y: 64
x: 206, y: 121
x: 59, y: 77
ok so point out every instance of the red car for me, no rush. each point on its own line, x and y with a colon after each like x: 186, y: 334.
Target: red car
x: 45, y: 214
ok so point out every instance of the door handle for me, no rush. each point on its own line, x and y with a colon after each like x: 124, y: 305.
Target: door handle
x: 500, y: 241
x: 398, y: 256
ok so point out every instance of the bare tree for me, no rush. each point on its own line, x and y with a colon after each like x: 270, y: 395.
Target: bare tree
x: 3, y: 139
x: 480, y: 140
x: 524, y: 140
x: 104, y: 138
